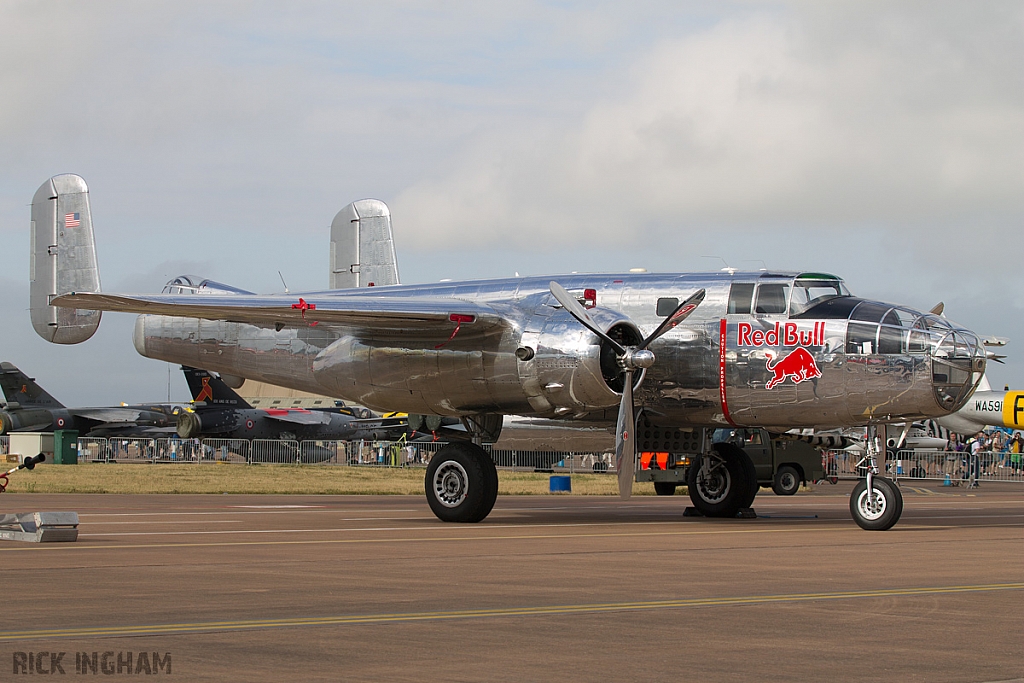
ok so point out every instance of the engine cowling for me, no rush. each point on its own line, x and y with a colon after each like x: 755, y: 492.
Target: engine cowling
x: 565, y: 369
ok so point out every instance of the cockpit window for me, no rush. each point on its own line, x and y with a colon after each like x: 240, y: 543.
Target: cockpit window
x: 810, y: 290
x: 870, y: 311
x: 771, y: 298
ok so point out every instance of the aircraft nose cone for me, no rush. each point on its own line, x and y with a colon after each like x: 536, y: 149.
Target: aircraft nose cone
x: 958, y: 363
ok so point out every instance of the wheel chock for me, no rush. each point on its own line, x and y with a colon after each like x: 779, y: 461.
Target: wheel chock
x: 692, y: 512
x: 746, y: 513
x: 39, y: 527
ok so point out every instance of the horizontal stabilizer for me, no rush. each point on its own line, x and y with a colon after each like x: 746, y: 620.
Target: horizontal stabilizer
x: 299, y: 417
x: 108, y: 415
x: 62, y: 259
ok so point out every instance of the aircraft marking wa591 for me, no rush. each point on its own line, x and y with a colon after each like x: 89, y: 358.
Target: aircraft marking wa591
x: 693, y: 351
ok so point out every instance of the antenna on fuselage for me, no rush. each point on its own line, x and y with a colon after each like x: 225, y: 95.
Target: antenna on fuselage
x: 764, y: 266
x: 283, y: 282
x: 728, y: 269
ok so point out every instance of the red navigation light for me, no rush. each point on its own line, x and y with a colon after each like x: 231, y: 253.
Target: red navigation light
x: 589, y: 298
x: 461, y: 318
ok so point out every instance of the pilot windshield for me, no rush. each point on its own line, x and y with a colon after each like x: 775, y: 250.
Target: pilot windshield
x: 809, y: 290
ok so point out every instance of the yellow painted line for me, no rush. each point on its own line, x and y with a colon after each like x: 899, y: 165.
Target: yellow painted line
x: 539, y: 610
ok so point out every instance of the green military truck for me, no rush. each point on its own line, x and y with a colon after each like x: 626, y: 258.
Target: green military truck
x: 781, y: 463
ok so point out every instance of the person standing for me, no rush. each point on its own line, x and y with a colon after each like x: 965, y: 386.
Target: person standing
x: 974, y: 463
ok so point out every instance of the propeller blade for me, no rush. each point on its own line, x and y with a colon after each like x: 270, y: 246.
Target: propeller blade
x: 681, y: 313
x: 625, y: 446
x: 574, y: 307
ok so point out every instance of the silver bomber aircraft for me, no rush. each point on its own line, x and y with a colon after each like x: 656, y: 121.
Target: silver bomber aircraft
x: 693, y: 352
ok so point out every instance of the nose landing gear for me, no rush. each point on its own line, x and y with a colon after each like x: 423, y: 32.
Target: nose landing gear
x: 876, y: 502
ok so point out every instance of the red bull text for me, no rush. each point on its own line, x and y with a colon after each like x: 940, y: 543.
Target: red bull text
x: 788, y: 334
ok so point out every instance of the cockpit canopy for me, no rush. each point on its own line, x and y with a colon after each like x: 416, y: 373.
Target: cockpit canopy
x: 193, y: 284
x: 779, y: 294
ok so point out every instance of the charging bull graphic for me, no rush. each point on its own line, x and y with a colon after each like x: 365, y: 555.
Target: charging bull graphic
x: 799, y: 365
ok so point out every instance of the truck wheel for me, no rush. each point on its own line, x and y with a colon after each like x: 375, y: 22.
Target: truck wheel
x: 664, y: 488
x: 786, y: 482
x: 461, y: 483
x: 728, y: 486
x: 883, y: 511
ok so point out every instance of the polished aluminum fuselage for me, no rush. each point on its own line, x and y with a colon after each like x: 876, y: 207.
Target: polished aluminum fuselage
x: 714, y: 369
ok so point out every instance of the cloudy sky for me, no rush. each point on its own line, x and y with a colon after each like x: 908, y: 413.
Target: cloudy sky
x: 880, y: 141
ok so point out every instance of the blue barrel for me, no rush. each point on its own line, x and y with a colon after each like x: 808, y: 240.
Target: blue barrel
x: 560, y: 483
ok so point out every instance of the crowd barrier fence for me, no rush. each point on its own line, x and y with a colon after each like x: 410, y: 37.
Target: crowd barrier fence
x: 954, y: 467
x: 946, y: 466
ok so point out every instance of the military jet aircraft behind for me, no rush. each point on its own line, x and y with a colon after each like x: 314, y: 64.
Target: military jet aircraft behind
x: 218, y: 411
x: 30, y: 409
x: 987, y: 408
x: 697, y: 351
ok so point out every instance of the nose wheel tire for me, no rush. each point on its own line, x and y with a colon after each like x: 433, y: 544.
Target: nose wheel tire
x: 884, y: 508
x: 787, y: 481
x: 461, y: 483
x: 729, y: 484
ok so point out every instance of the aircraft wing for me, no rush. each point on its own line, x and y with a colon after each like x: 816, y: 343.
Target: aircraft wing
x: 301, y: 417
x: 110, y: 415
x: 404, y: 314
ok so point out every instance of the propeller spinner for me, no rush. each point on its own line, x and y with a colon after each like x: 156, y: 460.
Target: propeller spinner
x: 631, y: 359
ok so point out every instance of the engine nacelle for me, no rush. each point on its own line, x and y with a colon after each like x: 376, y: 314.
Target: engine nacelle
x: 37, y: 419
x: 554, y: 367
x: 565, y: 369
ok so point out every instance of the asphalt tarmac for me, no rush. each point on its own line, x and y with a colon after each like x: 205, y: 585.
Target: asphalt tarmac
x: 567, y: 588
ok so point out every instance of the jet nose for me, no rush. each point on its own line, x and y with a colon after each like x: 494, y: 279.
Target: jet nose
x: 958, y: 363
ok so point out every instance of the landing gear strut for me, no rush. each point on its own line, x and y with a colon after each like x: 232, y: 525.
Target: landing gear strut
x: 876, y: 502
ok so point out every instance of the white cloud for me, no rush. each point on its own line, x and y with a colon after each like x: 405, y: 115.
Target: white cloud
x: 762, y: 119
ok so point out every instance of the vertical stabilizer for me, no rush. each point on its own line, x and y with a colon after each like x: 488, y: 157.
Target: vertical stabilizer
x: 22, y: 390
x: 62, y: 259
x: 362, y: 246
x: 211, y: 389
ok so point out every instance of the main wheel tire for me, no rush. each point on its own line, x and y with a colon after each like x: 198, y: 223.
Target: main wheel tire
x: 730, y: 485
x: 883, y: 511
x: 461, y: 483
x: 664, y: 488
x: 786, y: 481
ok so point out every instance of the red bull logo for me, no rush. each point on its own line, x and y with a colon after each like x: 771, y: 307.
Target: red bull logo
x: 799, y: 365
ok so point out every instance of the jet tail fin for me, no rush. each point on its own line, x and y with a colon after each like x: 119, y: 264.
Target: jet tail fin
x: 21, y: 389
x: 363, y: 246
x: 211, y: 389
x: 62, y: 259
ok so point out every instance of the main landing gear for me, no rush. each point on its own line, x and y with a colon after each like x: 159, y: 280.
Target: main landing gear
x: 722, y: 483
x: 461, y: 483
